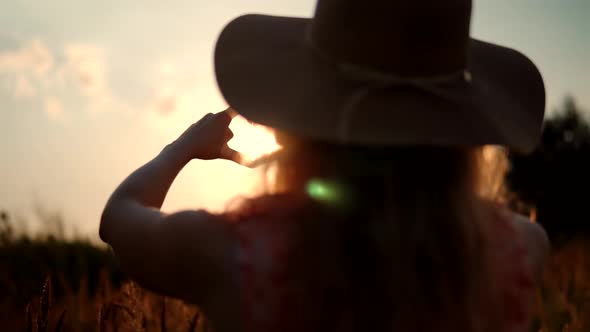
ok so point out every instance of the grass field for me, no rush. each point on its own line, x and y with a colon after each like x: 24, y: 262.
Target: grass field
x: 50, y: 284
x: 127, y: 308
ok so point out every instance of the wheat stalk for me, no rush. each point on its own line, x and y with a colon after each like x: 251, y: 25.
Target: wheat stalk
x: 103, y: 315
x: 44, y: 305
x: 163, y: 316
x: 193, y: 323
x: 60, y: 321
x: 28, y: 318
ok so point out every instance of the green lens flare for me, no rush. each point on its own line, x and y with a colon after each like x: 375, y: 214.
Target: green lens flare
x: 324, y: 191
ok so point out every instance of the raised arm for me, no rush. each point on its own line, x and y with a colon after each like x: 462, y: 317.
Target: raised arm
x: 185, y: 254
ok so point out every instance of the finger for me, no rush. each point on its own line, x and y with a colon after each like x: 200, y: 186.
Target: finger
x: 228, y: 135
x: 230, y: 154
x: 224, y: 117
x: 206, y: 118
x: 232, y: 112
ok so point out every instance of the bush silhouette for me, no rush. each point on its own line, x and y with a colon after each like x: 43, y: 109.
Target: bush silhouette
x: 555, y: 178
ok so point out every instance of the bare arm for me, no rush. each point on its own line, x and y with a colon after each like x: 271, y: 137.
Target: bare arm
x: 168, y: 252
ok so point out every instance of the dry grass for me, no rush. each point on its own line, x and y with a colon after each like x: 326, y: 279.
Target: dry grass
x: 563, y: 300
x: 563, y: 304
x: 129, y: 308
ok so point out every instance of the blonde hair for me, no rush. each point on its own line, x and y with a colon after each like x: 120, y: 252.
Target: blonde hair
x: 412, y: 230
x: 493, y: 166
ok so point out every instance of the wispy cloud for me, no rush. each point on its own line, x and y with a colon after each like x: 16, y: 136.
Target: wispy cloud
x: 26, y: 66
x: 168, y: 89
x: 81, y: 70
x: 166, y: 99
x: 33, y: 57
x: 85, y: 67
x: 23, y: 88
x: 54, y: 108
x: 165, y: 105
x: 34, y: 71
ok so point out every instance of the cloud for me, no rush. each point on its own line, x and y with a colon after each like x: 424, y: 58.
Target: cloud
x: 54, y: 109
x: 85, y: 66
x: 32, y: 70
x: 166, y: 98
x: 23, y: 87
x: 33, y: 57
x: 189, y: 104
x: 165, y: 105
x: 168, y: 89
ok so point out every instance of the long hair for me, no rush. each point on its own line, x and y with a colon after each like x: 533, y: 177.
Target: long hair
x: 398, y: 245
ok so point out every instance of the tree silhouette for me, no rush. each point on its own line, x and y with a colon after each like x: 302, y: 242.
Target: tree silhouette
x: 555, y: 178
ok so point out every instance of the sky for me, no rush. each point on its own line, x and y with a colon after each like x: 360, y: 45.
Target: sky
x: 91, y: 90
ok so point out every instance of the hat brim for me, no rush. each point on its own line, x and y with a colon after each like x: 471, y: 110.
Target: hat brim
x: 267, y: 72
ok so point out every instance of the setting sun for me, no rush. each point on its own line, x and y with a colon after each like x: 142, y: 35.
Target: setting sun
x: 251, y: 140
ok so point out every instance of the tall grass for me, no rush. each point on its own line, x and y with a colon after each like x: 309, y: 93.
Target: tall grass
x: 563, y: 298
x: 48, y: 284
x: 129, y: 308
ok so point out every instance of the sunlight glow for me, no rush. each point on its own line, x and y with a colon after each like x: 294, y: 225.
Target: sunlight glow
x: 252, y: 140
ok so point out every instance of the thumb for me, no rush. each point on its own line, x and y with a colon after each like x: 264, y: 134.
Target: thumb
x: 230, y: 154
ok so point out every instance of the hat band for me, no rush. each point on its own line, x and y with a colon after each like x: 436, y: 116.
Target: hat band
x: 366, y: 73
x: 379, y: 80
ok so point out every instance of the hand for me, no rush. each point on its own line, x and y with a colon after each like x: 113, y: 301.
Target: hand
x: 207, y: 138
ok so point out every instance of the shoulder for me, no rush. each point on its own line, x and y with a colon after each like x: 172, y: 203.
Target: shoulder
x: 192, y: 225
x: 536, y: 240
x: 203, y: 245
x: 196, y: 245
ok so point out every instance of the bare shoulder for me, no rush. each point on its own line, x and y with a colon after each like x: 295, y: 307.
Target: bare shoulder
x: 536, y: 239
x: 205, y: 246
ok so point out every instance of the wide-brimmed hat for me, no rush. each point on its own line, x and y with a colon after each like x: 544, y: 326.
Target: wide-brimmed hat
x: 381, y: 73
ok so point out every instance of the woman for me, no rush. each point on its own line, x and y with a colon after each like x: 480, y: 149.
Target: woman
x: 376, y: 220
